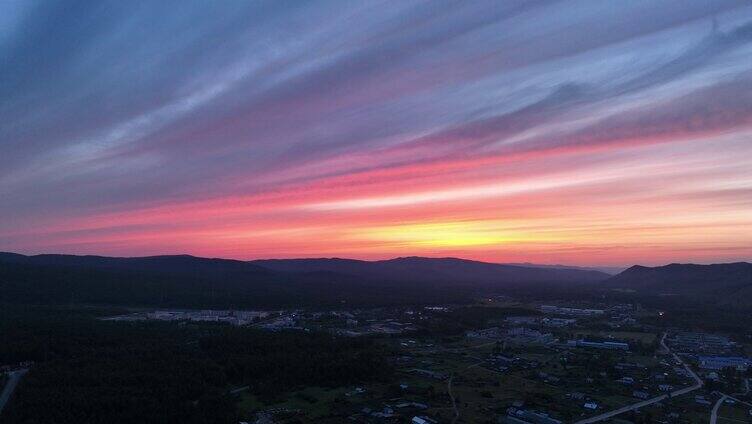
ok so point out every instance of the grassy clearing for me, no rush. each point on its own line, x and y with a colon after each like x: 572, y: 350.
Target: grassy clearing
x: 645, y: 338
x: 315, y: 401
x: 734, y: 413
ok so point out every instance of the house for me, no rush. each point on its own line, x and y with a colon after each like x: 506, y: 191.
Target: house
x: 701, y: 400
x: 639, y: 394
x: 524, y: 335
x: 576, y: 396
x: 422, y: 420
x: 590, y: 405
x: 486, y: 333
x: 387, y: 412
x: 629, y: 365
x: 522, y: 320
x: 558, y: 322
x: 598, y: 345
x: 432, y: 374
x: 549, y: 309
x: 416, y: 405
x: 522, y: 416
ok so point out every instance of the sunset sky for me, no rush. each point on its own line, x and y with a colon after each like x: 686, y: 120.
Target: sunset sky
x: 575, y: 132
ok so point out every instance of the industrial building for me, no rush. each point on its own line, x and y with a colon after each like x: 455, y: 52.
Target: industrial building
x: 720, y: 362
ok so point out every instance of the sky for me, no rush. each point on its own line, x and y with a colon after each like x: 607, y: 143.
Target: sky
x: 573, y: 132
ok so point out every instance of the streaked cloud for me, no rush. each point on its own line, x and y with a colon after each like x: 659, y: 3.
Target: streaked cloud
x: 570, y: 132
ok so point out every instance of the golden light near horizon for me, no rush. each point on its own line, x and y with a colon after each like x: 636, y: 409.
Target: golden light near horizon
x: 448, y: 234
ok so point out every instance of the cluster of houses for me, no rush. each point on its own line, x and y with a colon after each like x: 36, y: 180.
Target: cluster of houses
x: 515, y: 335
x: 701, y: 343
x: 394, y: 412
x: 622, y: 315
x: 610, y: 345
x: 555, y: 322
x: 565, y: 310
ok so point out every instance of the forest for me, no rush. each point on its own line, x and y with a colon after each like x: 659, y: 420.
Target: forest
x: 23, y: 283
x: 94, y: 371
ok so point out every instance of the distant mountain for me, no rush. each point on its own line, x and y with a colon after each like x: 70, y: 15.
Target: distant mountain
x: 437, y: 270
x: 731, y: 282
x: 611, y: 270
x: 168, y: 264
x: 159, y: 280
x: 190, y: 281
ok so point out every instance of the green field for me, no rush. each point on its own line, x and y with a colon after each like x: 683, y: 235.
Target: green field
x: 645, y: 338
x: 314, y: 401
x: 734, y: 413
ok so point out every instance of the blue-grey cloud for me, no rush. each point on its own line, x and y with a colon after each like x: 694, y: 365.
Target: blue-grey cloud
x: 108, y: 104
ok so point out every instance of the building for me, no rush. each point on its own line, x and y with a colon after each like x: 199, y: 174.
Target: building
x: 522, y: 416
x: 416, y: 405
x: 702, y: 401
x: 522, y: 320
x: 431, y: 374
x: 576, y: 396
x: 558, y: 322
x: 487, y: 333
x: 524, y: 335
x: 590, y: 405
x: 629, y: 365
x: 639, y: 394
x: 562, y: 310
x: 598, y: 345
x: 718, y: 363
x: 709, y: 344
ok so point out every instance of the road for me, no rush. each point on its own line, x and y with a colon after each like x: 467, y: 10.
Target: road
x: 454, y: 403
x: 13, y: 378
x: 737, y: 400
x: 724, y: 397
x: 451, y: 396
x: 638, y: 405
x: 451, y: 377
x: 716, y: 407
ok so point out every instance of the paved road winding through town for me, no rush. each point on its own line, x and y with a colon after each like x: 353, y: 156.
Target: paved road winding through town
x: 714, y: 412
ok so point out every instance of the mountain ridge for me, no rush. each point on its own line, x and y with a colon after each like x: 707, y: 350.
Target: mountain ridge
x: 184, y: 280
x: 724, y: 282
x: 417, y: 268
